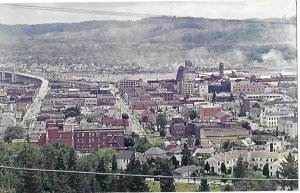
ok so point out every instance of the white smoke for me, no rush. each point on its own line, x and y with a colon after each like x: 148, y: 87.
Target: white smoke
x: 274, y: 57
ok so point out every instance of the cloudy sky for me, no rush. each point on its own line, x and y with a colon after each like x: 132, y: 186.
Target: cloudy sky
x: 47, y: 12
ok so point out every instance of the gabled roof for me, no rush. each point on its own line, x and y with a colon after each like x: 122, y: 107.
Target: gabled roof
x: 184, y: 169
x: 203, y: 151
x: 125, y: 154
x: 155, y: 151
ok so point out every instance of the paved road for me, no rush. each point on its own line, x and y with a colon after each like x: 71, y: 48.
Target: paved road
x: 35, y: 107
x: 134, y: 125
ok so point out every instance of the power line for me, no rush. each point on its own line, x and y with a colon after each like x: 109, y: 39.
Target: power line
x: 140, y: 175
x: 77, y: 10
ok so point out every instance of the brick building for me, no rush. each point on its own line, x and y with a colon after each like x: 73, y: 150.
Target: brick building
x: 92, y: 139
x: 208, y: 111
x: 247, y: 87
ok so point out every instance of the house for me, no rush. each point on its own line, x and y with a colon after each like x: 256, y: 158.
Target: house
x: 186, y: 171
x: 155, y: 152
x: 288, y: 126
x: 123, y: 158
x: 254, y: 158
x: 199, y: 153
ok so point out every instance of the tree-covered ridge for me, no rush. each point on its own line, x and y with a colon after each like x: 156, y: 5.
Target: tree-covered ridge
x: 144, y: 41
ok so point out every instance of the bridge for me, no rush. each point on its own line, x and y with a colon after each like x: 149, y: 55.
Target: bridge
x: 34, y: 109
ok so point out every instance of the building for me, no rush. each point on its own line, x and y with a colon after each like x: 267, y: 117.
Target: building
x: 254, y: 158
x: 92, y: 138
x: 209, y: 111
x: 271, y: 113
x: 186, y: 87
x: 123, y: 159
x: 202, y: 89
x: 125, y: 85
x: 55, y: 133
x: 186, y: 171
x: 288, y: 126
x: 247, y: 88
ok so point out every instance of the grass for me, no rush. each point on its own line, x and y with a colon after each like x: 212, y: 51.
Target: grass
x: 154, y: 186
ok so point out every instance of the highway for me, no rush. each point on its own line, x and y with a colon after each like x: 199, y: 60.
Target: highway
x: 35, y: 107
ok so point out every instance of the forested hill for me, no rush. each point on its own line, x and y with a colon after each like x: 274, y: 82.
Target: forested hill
x: 158, y: 40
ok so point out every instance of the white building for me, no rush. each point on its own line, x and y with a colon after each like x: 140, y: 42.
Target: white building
x: 202, y: 89
x: 271, y: 113
x: 186, y: 87
x: 123, y: 159
x: 254, y: 158
x: 288, y: 126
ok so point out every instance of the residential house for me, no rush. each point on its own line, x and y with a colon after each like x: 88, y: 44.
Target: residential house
x: 123, y: 159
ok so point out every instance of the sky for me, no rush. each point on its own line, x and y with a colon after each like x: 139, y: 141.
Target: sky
x: 227, y: 9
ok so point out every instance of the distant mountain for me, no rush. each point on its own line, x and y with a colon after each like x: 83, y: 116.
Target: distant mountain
x: 164, y: 41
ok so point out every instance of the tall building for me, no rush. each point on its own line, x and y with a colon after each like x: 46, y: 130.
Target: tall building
x: 180, y: 73
x: 186, y: 87
x: 221, y: 70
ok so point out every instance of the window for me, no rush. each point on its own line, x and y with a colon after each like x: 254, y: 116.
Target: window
x: 253, y: 159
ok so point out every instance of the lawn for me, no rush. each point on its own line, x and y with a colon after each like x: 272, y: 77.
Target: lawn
x: 154, y: 186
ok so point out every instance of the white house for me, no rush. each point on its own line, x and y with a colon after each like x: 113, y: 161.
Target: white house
x: 288, y: 126
x: 123, y: 158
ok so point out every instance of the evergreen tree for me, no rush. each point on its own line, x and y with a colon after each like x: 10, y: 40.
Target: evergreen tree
x: 103, y: 181
x: 135, y: 184
x: 266, y: 170
x: 167, y: 184
x: 114, y: 166
x: 289, y: 170
x: 223, y: 168
x: 207, y: 167
x: 228, y: 188
x: 161, y: 120
x: 204, y: 187
x: 31, y: 182
x: 186, y: 155
x: 239, y: 171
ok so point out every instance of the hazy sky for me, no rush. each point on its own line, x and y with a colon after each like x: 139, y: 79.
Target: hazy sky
x: 229, y: 9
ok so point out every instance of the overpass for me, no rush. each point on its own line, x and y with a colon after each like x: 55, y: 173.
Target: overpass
x: 34, y: 109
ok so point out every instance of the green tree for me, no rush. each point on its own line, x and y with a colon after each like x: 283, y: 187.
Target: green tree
x: 223, y: 168
x: 107, y: 154
x: 204, y: 187
x: 193, y: 115
x: 125, y: 116
x: 239, y: 171
x: 207, y: 167
x: 266, y: 170
x: 288, y: 169
x: 103, y: 180
x: 162, y: 132
x: 228, y: 188
x: 186, y: 155
x: 11, y: 133
x: 246, y: 125
x: 142, y: 144
x: 114, y: 163
x: 161, y: 120
x: 167, y: 184
x: 135, y: 184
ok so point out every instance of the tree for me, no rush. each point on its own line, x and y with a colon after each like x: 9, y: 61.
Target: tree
x: 142, y: 144
x: 166, y: 184
x: 214, y: 97
x: 103, y: 181
x: 266, y: 170
x: 114, y: 163
x: 204, y: 187
x: 228, y: 188
x: 128, y: 141
x: 207, y: 167
x: 197, y: 142
x: 246, y: 125
x: 193, y: 115
x: 12, y: 133
x: 174, y: 161
x: 223, y: 168
x: 288, y: 169
x: 161, y: 120
x: 125, y: 116
x: 162, y: 132
x: 239, y: 171
x: 231, y: 97
x: 186, y: 155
